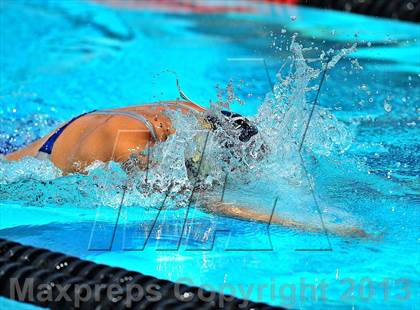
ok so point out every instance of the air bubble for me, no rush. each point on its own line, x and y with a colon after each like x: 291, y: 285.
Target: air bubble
x: 364, y: 87
x: 387, y: 107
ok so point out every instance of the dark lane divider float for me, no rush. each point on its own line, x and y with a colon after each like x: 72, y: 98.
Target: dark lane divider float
x: 408, y: 10
x: 57, y: 281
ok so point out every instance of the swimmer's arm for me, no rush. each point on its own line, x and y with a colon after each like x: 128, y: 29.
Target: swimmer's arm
x: 245, y: 213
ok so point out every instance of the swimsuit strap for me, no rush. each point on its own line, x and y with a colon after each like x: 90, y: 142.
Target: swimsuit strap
x: 134, y: 115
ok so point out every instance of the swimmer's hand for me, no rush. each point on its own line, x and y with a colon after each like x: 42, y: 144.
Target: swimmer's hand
x: 246, y: 213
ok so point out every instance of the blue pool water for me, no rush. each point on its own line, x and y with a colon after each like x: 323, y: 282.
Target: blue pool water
x: 62, y: 58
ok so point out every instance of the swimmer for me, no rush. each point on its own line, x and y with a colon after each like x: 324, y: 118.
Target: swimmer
x: 99, y: 135
x: 91, y: 137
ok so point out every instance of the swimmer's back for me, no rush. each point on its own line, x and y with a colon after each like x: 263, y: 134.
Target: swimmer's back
x: 108, y: 136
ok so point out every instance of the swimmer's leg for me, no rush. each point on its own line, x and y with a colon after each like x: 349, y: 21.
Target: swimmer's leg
x: 247, y: 213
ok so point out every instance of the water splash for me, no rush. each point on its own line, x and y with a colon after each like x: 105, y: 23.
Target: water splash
x: 281, y: 120
x: 284, y: 114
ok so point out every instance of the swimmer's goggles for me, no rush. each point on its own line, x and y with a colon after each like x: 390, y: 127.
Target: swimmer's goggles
x: 238, y: 123
x: 239, y: 128
x: 234, y: 124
